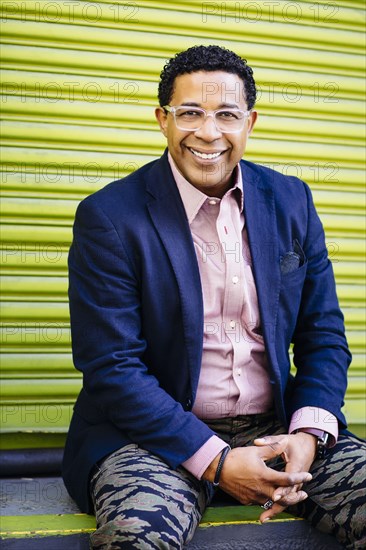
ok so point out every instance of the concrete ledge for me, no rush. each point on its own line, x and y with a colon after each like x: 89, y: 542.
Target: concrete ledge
x: 38, y: 514
x: 279, y: 534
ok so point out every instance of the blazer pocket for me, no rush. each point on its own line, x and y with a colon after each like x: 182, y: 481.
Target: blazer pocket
x: 294, y: 278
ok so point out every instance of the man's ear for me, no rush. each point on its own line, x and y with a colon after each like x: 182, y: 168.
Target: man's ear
x: 251, y: 121
x: 161, y: 117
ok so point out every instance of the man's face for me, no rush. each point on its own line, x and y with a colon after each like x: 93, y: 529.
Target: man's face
x: 210, y: 91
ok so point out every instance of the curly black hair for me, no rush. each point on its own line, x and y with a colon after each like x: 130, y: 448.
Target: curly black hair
x: 205, y: 58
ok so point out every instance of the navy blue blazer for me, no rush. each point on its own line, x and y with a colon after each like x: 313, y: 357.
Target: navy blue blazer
x: 137, y: 315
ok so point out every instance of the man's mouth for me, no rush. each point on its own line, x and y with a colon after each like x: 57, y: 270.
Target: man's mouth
x: 206, y: 156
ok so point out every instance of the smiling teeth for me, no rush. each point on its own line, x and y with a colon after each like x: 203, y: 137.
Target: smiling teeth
x: 206, y: 155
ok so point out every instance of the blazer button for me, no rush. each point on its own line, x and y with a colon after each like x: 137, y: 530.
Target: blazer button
x: 188, y: 403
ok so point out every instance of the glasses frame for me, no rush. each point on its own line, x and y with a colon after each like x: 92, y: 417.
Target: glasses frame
x: 172, y: 110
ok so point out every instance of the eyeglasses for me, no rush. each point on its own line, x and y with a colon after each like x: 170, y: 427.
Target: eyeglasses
x: 227, y: 121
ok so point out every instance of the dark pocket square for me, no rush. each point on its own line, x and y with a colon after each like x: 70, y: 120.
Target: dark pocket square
x: 290, y: 262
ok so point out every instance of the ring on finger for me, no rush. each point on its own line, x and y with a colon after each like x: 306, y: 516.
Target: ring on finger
x: 268, y: 505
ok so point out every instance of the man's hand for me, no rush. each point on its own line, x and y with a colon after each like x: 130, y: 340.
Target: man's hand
x: 246, y: 477
x: 299, y: 455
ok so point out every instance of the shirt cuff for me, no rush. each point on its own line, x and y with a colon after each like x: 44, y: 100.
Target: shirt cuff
x: 199, y: 462
x: 317, y: 418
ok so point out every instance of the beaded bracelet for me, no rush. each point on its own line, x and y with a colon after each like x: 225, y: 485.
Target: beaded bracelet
x: 224, y: 454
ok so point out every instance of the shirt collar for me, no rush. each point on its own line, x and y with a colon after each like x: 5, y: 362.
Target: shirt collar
x: 193, y: 199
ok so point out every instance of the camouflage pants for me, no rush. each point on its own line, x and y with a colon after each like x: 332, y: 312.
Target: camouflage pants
x: 141, y: 503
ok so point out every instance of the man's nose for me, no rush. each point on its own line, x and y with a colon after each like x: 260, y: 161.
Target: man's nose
x: 208, y: 130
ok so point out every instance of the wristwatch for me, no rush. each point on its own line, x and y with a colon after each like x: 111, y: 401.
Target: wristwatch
x: 322, y: 437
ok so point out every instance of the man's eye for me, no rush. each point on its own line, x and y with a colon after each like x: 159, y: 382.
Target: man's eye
x: 227, y: 115
x: 190, y: 114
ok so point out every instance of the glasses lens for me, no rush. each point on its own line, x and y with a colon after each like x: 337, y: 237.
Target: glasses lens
x: 188, y: 118
x: 230, y: 120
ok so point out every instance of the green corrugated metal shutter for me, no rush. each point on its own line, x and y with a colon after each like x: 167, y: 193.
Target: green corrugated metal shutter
x: 79, y: 87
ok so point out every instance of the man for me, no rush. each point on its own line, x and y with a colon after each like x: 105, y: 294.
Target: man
x: 189, y: 279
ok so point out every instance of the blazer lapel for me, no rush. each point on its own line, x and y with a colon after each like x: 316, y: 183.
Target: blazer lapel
x: 169, y: 218
x: 260, y: 219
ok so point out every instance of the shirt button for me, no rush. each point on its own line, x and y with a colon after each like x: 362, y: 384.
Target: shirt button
x: 235, y: 280
x: 213, y: 202
x: 238, y: 372
x: 232, y: 324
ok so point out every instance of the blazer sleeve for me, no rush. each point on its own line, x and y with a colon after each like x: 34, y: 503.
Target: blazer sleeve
x: 321, y: 353
x: 108, y: 343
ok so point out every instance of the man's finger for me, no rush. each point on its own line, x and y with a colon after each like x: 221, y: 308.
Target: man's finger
x: 294, y: 497
x: 288, y: 479
x: 272, y: 447
x: 270, y: 440
x: 271, y: 513
x: 282, y: 492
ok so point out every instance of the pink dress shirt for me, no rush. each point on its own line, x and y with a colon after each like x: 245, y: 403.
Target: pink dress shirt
x: 234, y: 377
